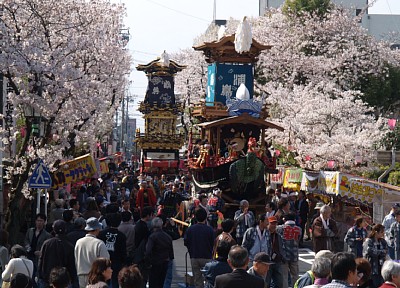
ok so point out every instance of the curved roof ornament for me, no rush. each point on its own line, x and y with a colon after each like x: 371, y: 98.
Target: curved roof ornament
x: 164, y: 59
x: 243, y: 37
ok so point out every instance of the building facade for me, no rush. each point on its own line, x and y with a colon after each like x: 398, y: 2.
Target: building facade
x: 381, y: 26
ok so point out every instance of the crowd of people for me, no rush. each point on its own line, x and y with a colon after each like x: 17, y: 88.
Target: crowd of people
x: 118, y: 231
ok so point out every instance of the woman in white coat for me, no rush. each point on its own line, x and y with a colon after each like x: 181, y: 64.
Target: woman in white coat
x: 19, y: 263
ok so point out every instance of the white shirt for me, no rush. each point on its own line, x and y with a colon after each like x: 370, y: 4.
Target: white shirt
x: 18, y: 265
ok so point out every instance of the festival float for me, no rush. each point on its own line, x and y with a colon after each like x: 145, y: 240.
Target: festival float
x: 230, y: 150
x: 160, y: 143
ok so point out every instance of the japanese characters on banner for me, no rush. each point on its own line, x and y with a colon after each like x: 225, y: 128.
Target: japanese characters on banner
x: 327, y: 181
x: 336, y: 183
x: 74, y: 170
x: 278, y: 178
x: 104, y: 166
x: 160, y: 91
x: 8, y: 119
x: 292, y: 178
x: 310, y: 181
x: 358, y: 188
x: 225, y: 78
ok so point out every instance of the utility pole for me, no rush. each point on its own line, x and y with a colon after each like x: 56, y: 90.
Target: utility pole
x: 215, y: 11
x: 121, y: 136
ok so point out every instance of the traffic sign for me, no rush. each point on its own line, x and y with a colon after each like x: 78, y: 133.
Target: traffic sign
x: 40, y: 177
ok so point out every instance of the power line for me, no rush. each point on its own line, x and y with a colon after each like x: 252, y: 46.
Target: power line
x: 146, y: 53
x: 390, y: 10
x: 180, y: 12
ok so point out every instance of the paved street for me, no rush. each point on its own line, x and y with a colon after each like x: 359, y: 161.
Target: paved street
x: 305, y: 261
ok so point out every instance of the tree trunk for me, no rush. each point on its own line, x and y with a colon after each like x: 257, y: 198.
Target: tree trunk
x: 18, y: 209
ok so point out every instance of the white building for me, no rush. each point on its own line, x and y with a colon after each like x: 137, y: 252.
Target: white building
x: 381, y: 26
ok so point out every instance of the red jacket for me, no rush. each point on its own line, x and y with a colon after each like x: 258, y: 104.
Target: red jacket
x: 387, y: 285
x: 151, y: 198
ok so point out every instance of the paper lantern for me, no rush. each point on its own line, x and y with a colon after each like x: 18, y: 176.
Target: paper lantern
x: 392, y: 123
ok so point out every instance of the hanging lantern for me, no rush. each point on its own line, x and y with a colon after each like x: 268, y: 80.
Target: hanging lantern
x: 277, y: 153
x: 331, y: 164
x: 392, y: 123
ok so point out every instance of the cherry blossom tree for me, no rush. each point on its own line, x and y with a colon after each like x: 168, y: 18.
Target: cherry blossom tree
x: 324, y: 123
x: 66, y: 60
x: 315, y: 76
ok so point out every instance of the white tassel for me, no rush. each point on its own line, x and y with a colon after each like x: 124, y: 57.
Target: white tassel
x: 221, y: 32
x: 243, y: 37
x: 164, y: 60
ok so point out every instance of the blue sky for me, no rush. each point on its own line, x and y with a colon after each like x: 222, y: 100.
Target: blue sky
x: 158, y: 25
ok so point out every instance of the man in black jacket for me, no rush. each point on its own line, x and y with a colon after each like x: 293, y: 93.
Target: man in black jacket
x: 142, y: 233
x: 159, y: 251
x: 302, y: 208
x: 238, y: 259
x: 56, y: 252
x: 115, y: 242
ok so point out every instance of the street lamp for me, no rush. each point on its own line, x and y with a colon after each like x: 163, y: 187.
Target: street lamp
x: 34, y: 118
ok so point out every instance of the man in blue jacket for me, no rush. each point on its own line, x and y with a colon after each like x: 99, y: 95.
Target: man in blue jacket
x: 199, y: 239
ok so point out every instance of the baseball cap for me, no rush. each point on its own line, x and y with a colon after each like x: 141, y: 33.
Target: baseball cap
x: 272, y: 219
x: 59, y: 226
x: 396, y: 205
x: 263, y: 258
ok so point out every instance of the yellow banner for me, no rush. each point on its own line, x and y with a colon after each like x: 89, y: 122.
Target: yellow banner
x: 327, y: 181
x: 292, y: 178
x: 104, y: 167
x: 358, y: 188
x: 74, y: 170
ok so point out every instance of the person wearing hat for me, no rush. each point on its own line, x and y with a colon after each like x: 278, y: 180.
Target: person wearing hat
x: 56, y: 252
x: 277, y: 271
x: 88, y: 249
x: 387, y: 222
x: 316, y: 211
x: 257, y: 238
x: 215, y: 203
x: 292, y: 197
x: 260, y: 267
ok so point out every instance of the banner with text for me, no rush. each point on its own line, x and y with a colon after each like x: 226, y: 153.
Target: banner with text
x: 327, y: 181
x: 278, y: 178
x: 74, y: 170
x: 292, y: 178
x: 358, y: 188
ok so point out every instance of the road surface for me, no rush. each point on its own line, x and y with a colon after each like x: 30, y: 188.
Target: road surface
x: 306, y: 256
